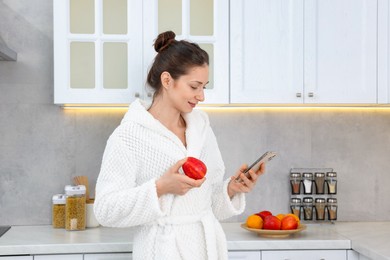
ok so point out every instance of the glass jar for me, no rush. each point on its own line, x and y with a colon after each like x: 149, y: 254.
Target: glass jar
x: 295, y: 206
x: 307, y: 180
x: 58, y: 211
x: 295, y: 180
x: 319, y: 180
x: 307, y: 208
x: 332, y: 208
x: 320, y: 208
x: 75, y: 207
x: 331, y: 180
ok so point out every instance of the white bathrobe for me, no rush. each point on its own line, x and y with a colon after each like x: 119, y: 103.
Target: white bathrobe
x: 171, y: 227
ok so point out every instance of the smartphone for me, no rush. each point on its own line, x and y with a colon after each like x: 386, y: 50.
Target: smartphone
x: 266, y: 157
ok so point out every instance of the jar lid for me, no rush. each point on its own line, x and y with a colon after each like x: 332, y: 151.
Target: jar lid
x: 331, y: 174
x: 59, y: 199
x: 319, y: 174
x: 307, y: 199
x: 75, y: 190
x: 320, y: 200
x: 296, y: 200
x: 295, y: 174
x: 332, y: 200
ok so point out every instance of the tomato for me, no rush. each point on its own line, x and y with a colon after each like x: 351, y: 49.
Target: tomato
x: 194, y: 168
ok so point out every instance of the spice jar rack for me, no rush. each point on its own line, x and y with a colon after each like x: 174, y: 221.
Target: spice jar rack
x: 313, y: 194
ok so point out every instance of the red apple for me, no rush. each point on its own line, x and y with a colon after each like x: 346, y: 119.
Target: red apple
x: 194, y: 168
x: 264, y: 214
x: 288, y: 223
x: 272, y: 223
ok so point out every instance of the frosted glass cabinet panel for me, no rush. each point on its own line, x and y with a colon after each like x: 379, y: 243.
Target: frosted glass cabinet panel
x: 115, y: 16
x: 82, y: 16
x: 82, y: 65
x: 209, y: 48
x: 201, y: 17
x: 115, y: 65
x: 170, y: 16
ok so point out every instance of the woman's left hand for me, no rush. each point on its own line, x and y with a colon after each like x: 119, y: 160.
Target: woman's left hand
x: 247, y: 184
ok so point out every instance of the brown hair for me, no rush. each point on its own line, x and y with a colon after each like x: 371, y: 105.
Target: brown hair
x: 175, y: 57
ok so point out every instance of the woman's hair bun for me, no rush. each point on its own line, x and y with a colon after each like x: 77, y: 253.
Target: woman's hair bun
x: 164, y: 40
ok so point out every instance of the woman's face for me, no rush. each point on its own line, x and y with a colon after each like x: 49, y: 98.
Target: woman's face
x: 188, y: 89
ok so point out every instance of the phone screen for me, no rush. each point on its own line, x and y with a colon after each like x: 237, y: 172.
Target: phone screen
x: 267, y: 156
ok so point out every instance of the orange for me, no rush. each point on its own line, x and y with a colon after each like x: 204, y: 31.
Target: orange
x: 295, y: 216
x: 254, y: 221
x: 280, y: 216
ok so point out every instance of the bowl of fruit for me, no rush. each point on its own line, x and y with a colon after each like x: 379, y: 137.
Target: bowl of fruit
x: 266, y: 224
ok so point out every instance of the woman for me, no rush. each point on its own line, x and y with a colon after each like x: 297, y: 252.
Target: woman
x: 141, y: 183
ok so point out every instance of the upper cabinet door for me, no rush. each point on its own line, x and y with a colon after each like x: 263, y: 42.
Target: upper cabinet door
x: 266, y: 51
x: 311, y: 52
x: 383, y: 52
x: 340, y: 55
x: 97, y: 51
x: 205, y: 22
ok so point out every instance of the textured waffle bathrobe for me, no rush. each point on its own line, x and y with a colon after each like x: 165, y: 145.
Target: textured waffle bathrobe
x: 171, y: 227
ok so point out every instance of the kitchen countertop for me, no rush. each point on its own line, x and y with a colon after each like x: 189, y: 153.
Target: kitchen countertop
x: 367, y: 238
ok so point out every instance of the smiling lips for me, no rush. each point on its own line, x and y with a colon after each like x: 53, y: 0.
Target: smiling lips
x: 192, y: 104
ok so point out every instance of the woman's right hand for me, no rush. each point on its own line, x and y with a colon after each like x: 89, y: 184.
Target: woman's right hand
x: 176, y: 183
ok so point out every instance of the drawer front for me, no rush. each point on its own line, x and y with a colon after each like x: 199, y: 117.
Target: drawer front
x: 304, y: 255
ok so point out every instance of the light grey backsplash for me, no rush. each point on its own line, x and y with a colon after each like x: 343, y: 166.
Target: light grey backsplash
x: 42, y: 146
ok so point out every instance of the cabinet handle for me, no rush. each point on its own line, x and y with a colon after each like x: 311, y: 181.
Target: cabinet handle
x: 136, y: 95
x: 298, y: 95
x: 310, y: 94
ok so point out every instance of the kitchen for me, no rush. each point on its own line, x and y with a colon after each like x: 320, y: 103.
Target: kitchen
x: 43, y: 146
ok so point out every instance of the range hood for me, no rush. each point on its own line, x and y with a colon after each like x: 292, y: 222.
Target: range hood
x: 6, y: 54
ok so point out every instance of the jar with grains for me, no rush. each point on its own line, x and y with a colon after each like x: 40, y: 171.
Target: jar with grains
x: 75, y: 207
x: 320, y: 208
x: 332, y: 208
x: 331, y: 180
x: 58, y: 211
x: 307, y: 208
x: 295, y: 206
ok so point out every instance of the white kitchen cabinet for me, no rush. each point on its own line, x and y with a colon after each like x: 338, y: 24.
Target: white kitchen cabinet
x: 104, y: 48
x: 16, y: 257
x: 383, y: 52
x: 113, y: 256
x: 303, y: 52
x: 244, y: 255
x: 58, y: 257
x: 304, y: 255
x: 97, y: 51
x: 266, y: 51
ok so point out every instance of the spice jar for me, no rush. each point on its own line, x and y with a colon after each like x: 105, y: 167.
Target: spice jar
x: 307, y: 208
x: 75, y: 209
x: 307, y: 181
x: 295, y: 180
x: 332, y: 208
x: 295, y: 206
x: 320, y: 208
x: 331, y: 180
x: 319, y: 180
x: 58, y: 211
